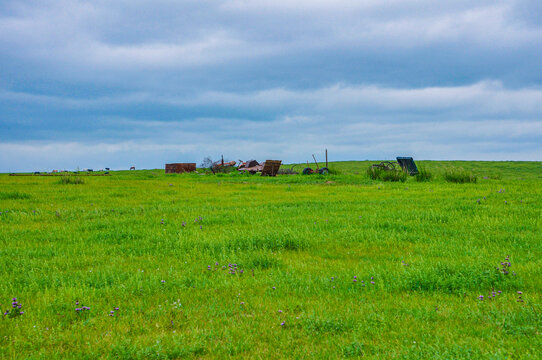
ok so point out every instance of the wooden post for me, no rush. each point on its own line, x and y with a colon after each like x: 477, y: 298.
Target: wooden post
x: 316, y: 162
x: 326, y: 157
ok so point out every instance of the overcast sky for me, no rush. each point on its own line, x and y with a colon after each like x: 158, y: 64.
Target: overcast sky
x: 116, y: 84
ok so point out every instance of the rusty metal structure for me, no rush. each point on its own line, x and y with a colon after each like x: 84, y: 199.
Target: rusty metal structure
x: 271, y: 167
x: 252, y: 166
x: 178, y: 168
x: 405, y: 164
x: 319, y: 170
x: 267, y: 168
x: 385, y: 165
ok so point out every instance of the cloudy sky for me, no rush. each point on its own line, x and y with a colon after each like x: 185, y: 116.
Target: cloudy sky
x: 116, y: 83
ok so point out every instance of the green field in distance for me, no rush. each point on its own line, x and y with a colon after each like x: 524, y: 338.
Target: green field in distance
x: 144, y: 265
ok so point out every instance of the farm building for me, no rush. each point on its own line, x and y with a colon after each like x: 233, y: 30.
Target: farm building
x: 177, y: 168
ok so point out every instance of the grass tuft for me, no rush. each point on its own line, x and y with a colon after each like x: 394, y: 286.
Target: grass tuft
x: 334, y: 171
x: 459, y: 175
x: 13, y: 195
x: 386, y: 175
x: 72, y: 180
x: 423, y: 175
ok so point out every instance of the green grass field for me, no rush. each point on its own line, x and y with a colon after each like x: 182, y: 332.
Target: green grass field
x: 238, y: 266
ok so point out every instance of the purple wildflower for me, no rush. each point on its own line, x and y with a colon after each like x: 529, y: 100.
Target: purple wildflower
x: 481, y: 297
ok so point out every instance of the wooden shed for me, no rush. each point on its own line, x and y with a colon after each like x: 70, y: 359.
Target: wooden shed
x: 177, y: 168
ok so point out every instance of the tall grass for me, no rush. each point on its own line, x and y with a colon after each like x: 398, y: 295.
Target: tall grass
x: 76, y: 180
x: 459, y: 175
x: 423, y: 174
x: 375, y: 173
x: 13, y: 195
x: 335, y: 171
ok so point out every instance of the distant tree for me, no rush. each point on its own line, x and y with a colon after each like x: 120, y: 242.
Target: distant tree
x: 207, y: 162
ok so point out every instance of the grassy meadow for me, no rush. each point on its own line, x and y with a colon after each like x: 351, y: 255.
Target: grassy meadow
x: 143, y: 265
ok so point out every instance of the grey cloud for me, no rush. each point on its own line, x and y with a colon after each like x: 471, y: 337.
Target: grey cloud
x: 285, y: 139
x: 134, y: 35
x: 460, y: 78
x: 489, y: 98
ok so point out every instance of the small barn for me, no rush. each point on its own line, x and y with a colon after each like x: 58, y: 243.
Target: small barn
x: 177, y: 168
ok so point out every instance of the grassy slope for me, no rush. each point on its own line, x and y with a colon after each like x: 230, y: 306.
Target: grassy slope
x: 102, y: 243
